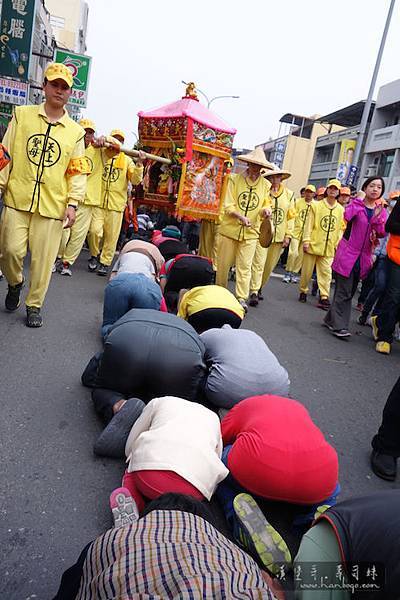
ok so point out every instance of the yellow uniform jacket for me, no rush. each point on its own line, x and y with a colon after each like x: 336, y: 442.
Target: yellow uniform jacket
x: 283, y: 213
x: 48, y: 167
x: 303, y: 210
x: 94, y: 178
x: 117, y: 172
x: 248, y: 198
x: 324, y: 228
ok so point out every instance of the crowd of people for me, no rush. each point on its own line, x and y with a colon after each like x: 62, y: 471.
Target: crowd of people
x: 196, y: 405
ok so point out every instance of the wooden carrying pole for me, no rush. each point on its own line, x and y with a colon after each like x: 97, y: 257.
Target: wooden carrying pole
x: 135, y: 154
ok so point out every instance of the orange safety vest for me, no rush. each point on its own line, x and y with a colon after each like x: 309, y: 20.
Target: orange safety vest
x: 393, y: 248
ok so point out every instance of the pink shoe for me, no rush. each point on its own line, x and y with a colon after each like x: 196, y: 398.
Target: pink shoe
x: 123, y: 507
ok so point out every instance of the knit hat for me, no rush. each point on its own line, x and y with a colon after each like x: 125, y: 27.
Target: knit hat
x: 172, y: 231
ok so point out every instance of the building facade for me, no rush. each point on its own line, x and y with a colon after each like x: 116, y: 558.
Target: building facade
x: 294, y: 151
x: 69, y: 21
x: 381, y: 156
x: 334, y: 151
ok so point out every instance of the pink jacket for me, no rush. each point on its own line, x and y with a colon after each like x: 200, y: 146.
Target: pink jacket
x: 360, y: 241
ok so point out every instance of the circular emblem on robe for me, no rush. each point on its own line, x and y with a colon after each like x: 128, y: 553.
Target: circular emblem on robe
x: 110, y: 174
x: 38, y: 154
x: 328, y: 223
x: 278, y: 215
x: 248, y: 200
x: 90, y: 164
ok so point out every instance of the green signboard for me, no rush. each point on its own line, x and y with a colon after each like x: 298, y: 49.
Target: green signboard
x: 79, y: 64
x: 16, y: 27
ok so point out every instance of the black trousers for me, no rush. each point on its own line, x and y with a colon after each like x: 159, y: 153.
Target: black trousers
x: 338, y: 316
x: 71, y: 579
x: 387, y: 440
x: 211, y: 318
x: 103, y: 402
x: 388, y: 315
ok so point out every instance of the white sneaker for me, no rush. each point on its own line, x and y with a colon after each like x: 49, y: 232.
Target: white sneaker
x: 295, y: 279
x: 66, y: 270
x: 243, y: 304
x: 287, y: 278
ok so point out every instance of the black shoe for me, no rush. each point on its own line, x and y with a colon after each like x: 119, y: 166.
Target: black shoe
x: 341, y: 333
x: 383, y: 465
x: 92, y: 264
x: 33, y: 317
x: 13, y: 296
x: 303, y: 297
x: 102, y: 270
x: 362, y: 320
x: 253, y: 301
x: 260, y: 295
x: 324, y: 304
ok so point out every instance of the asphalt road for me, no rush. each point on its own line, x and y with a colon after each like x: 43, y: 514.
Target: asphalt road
x: 54, y: 492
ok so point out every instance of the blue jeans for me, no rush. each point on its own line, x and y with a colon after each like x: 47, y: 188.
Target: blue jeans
x: 379, y: 286
x: 126, y: 291
x: 229, y: 488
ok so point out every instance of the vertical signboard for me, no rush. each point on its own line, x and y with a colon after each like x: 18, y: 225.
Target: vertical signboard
x: 16, y: 28
x: 79, y: 65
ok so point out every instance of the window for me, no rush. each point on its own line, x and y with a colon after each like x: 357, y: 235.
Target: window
x: 57, y: 22
x: 385, y: 163
x: 325, y: 154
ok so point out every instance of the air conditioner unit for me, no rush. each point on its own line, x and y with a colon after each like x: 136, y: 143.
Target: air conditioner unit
x: 371, y: 171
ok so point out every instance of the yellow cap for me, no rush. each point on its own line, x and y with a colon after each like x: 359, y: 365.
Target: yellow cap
x: 118, y: 132
x: 335, y: 183
x: 310, y: 188
x: 59, y: 71
x: 87, y: 124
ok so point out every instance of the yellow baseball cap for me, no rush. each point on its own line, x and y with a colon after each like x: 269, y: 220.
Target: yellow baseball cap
x: 118, y: 132
x: 335, y: 183
x: 87, y: 124
x: 59, y: 71
x: 310, y: 188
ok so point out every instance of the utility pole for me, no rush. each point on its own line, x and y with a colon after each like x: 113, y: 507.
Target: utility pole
x: 367, y: 108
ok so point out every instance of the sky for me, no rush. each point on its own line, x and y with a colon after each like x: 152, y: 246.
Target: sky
x: 305, y: 57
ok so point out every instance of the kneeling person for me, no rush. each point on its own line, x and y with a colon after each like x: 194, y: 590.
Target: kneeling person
x: 208, y: 306
x: 133, y: 282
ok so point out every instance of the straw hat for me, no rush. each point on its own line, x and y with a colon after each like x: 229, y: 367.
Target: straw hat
x: 256, y: 157
x: 275, y: 171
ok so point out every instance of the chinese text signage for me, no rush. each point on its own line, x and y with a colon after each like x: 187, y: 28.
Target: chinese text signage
x: 79, y: 65
x: 14, y: 92
x: 16, y: 28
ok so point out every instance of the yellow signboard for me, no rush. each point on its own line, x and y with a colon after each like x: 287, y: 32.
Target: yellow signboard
x: 345, y: 161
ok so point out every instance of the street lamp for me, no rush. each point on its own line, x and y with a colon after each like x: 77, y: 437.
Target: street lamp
x: 206, y: 97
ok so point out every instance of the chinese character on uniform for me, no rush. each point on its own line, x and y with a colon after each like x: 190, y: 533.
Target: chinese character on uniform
x: 339, y: 572
x: 355, y: 572
x: 19, y: 6
x: 17, y: 28
x: 297, y: 573
x: 314, y: 572
x: 372, y: 572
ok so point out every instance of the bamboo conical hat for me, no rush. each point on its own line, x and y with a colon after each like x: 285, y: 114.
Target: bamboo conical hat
x: 276, y: 171
x: 256, y: 157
